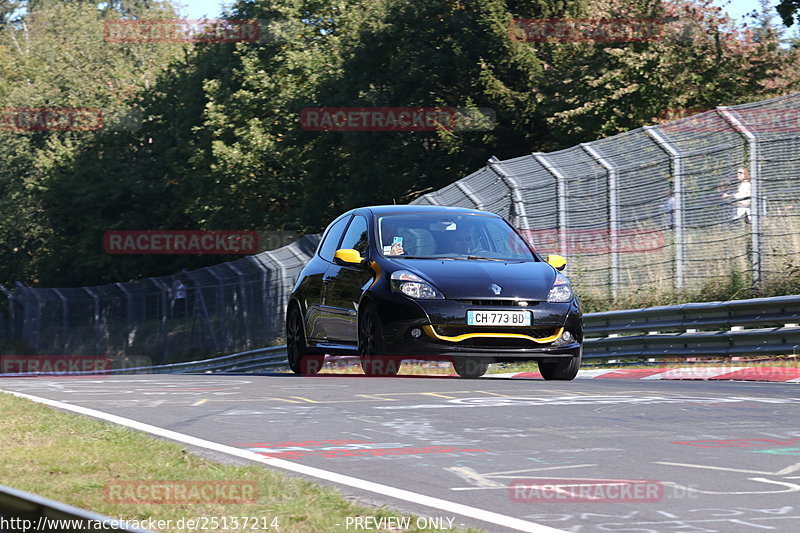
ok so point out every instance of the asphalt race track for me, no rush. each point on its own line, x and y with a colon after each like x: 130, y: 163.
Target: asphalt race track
x: 650, y: 456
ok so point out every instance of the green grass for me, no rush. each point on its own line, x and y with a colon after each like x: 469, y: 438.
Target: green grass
x: 71, y: 458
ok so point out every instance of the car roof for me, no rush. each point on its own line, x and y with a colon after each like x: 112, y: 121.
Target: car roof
x: 400, y: 209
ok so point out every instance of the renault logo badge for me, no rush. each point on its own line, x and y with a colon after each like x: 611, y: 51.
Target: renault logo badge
x: 497, y: 289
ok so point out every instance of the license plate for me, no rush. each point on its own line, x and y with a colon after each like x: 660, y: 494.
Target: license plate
x: 498, y: 318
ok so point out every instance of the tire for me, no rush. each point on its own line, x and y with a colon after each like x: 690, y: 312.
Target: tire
x: 564, y: 369
x: 300, y: 361
x: 371, y: 348
x: 470, y: 368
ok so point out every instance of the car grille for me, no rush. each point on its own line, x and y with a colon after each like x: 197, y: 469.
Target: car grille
x: 498, y: 303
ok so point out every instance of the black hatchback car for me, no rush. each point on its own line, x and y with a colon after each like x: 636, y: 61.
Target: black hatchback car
x: 426, y: 282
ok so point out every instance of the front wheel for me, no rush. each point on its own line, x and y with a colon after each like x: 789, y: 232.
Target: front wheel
x: 470, y: 368
x: 300, y: 361
x: 564, y: 369
x: 371, y: 349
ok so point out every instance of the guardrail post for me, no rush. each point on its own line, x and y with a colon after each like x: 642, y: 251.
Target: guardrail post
x: 677, y: 214
x: 755, y: 190
x: 517, y: 202
x: 613, y: 212
x: 561, y: 186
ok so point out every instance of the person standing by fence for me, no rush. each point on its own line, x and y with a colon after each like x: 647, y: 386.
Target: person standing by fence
x: 742, y: 196
x: 179, y: 307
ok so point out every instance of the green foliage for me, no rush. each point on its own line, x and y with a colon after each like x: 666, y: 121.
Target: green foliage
x: 56, y: 57
x: 788, y: 9
x: 221, y: 146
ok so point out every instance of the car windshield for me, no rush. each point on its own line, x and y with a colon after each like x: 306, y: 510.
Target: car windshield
x: 450, y: 236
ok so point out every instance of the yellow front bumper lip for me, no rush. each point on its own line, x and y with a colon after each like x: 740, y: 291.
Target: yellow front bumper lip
x: 432, y: 333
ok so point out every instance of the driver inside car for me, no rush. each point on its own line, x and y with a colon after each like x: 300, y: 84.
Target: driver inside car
x: 456, y: 241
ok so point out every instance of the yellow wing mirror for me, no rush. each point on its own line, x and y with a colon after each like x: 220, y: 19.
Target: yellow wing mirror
x: 348, y: 257
x: 556, y: 261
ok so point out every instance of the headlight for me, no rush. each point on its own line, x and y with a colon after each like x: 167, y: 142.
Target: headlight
x: 561, y: 291
x: 414, y: 286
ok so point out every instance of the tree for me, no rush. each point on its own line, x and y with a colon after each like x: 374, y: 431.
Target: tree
x: 222, y: 146
x: 788, y: 9
x: 55, y: 56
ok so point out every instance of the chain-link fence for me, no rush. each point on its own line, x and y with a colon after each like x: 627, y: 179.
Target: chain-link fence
x: 224, y: 308
x: 660, y: 208
x: 666, y: 207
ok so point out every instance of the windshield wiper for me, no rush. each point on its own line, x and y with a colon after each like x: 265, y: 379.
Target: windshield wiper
x: 485, y: 258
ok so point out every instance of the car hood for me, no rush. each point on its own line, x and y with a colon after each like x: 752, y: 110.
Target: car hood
x: 473, y: 279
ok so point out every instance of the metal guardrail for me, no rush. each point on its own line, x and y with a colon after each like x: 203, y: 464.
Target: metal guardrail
x: 23, y: 511
x: 271, y: 358
x: 697, y: 330
x: 687, y: 330
x: 777, y: 311
x: 680, y: 331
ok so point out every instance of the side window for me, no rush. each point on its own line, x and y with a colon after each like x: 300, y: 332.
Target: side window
x: 330, y: 243
x: 356, y: 236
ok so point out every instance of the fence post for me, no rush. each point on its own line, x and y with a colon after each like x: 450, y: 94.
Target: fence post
x: 755, y: 190
x: 279, y: 285
x: 96, y: 301
x: 11, y: 318
x: 461, y: 186
x: 200, y: 308
x: 677, y: 215
x: 128, y: 313
x: 245, y: 314
x: 164, y: 293
x: 37, y: 320
x: 561, y: 186
x: 264, y: 307
x: 430, y: 199
x: 613, y: 213
x: 517, y: 202
x: 221, y: 309
x: 64, y: 322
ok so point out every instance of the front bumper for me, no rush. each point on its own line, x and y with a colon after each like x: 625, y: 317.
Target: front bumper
x: 442, y: 330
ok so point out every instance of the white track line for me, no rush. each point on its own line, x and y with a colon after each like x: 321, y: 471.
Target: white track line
x: 385, y: 490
